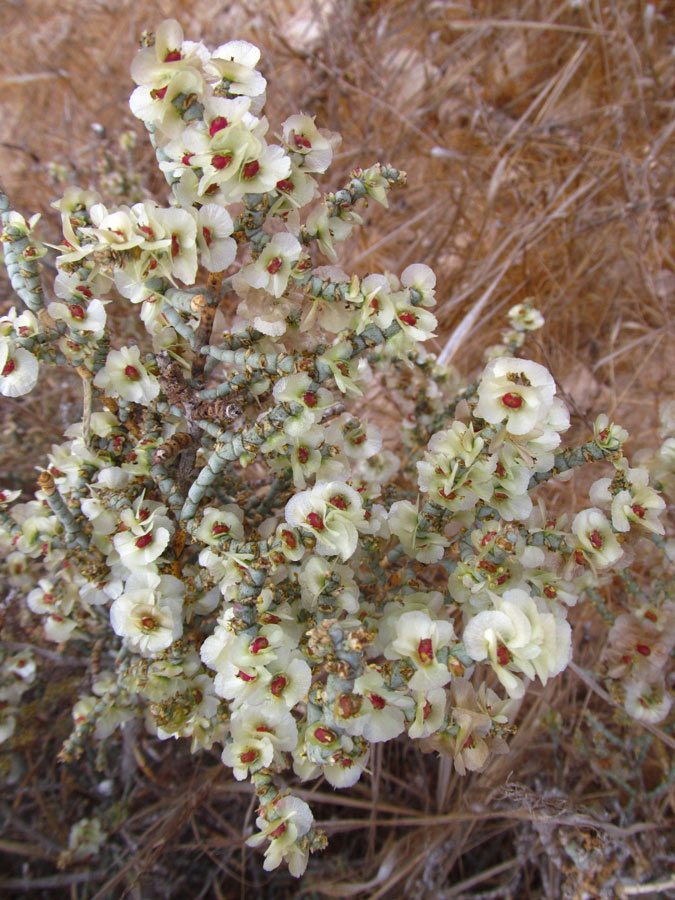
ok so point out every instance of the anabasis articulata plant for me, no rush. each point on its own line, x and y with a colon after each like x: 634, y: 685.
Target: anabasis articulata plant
x: 265, y: 575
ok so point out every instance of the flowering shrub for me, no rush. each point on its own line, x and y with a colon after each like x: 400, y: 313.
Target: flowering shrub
x: 267, y: 577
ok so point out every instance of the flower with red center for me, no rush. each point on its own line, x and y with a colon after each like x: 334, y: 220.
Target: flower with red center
x: 518, y: 392
x: 596, y: 538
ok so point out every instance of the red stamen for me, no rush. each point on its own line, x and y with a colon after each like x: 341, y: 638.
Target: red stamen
x: 285, y: 184
x: 143, y: 541
x: 513, y: 401
x: 596, y: 540
x: 132, y: 373
x: 324, y: 735
x: 172, y: 56
x: 338, y: 501
x: 208, y: 238
x: 251, y: 169
x: 408, y: 318
x: 349, y: 705
x: 175, y: 246
x: 274, y: 266
x: 9, y: 367
x: 245, y: 677
x: 149, y: 622
x: 260, y: 643
x: 377, y: 701
x: 315, y: 521
x: 219, y: 161
x: 425, y: 650
x: 309, y: 399
x: 643, y: 650
x: 217, y: 125
x: 503, y: 655
x: 248, y: 756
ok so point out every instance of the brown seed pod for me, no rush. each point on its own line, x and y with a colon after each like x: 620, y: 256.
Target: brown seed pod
x: 172, y: 447
x: 222, y: 409
x: 46, y: 483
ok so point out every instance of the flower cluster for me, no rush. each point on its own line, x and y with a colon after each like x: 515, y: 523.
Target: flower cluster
x: 271, y: 579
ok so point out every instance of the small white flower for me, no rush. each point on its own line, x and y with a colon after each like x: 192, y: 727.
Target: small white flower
x: 148, y: 615
x: 83, y: 319
x: 404, y: 522
x: 125, y: 376
x: 516, y: 390
x: 18, y: 370
x: 647, y: 701
x: 273, y: 267
x: 217, y: 247
x: 519, y: 634
x: 419, y: 638
x: 596, y: 538
x: 289, y: 819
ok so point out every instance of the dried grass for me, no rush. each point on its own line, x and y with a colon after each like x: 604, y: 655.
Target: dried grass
x: 539, y: 142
